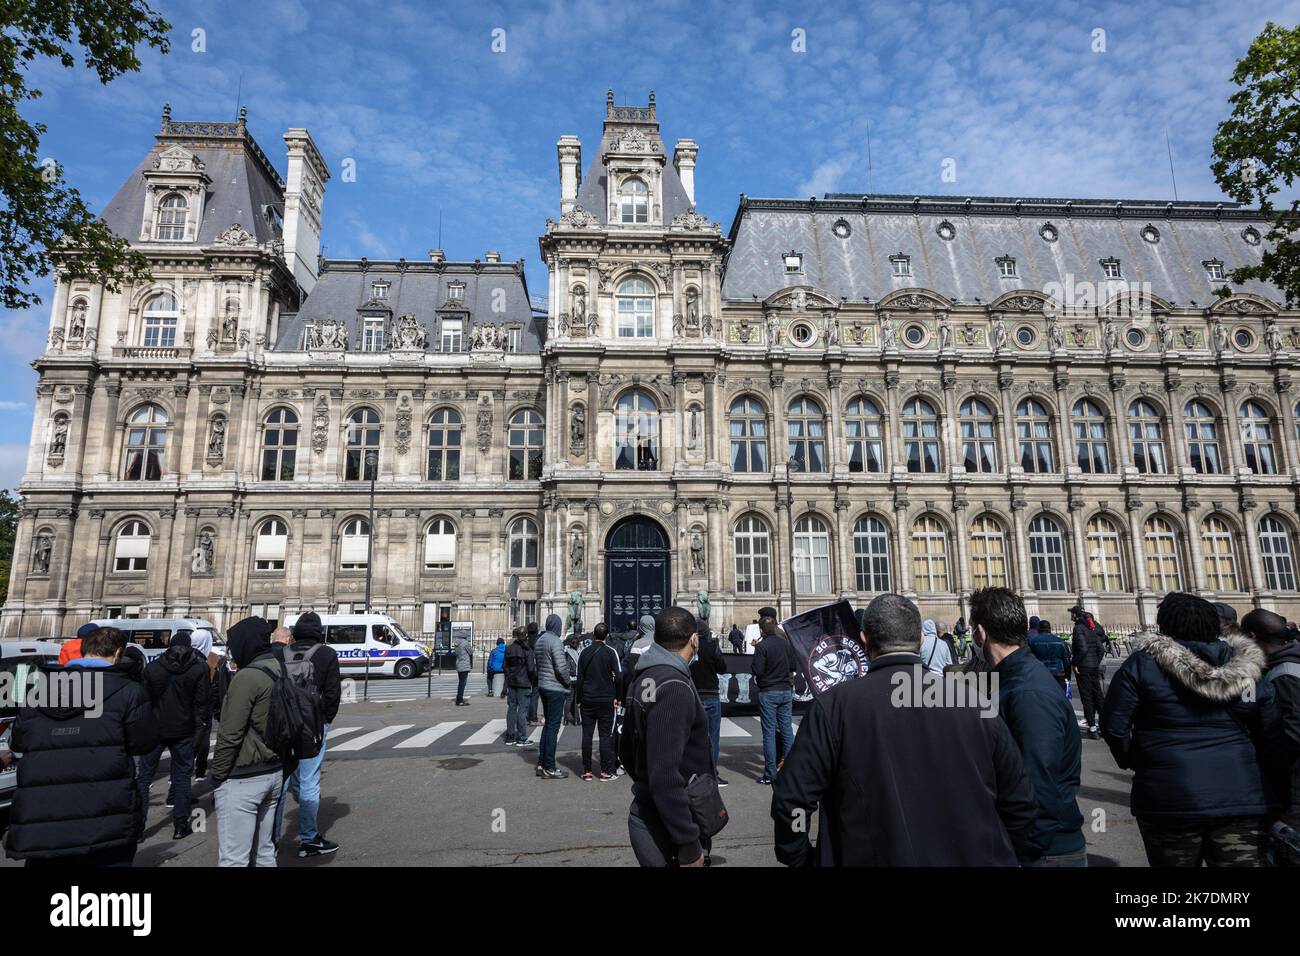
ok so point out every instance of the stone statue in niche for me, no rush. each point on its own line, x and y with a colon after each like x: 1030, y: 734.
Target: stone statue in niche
x: 1166, y: 334
x: 697, y: 552
x: 579, y: 306
x: 702, y: 607
x: 577, y: 554
x: 575, y: 608
x: 998, y: 336
x: 1111, y: 336
x: 945, y: 336
x: 1055, y: 337
x: 217, y: 439
x: 1220, y: 336
x: 229, y: 323
x: 203, y: 557
x: 1272, y: 338
x: 578, y: 427
x: 77, y: 327
x: 59, y: 438
x: 693, y: 429
x: 888, y: 336
x: 692, y: 310
x: 41, y: 555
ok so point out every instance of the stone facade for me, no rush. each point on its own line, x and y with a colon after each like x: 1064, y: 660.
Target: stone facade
x: 923, y: 375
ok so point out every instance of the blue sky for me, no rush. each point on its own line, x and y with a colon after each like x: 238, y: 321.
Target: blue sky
x: 1012, y: 92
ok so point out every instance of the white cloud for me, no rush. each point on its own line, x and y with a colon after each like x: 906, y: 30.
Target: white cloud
x: 12, y: 406
x: 13, y: 462
x: 826, y: 177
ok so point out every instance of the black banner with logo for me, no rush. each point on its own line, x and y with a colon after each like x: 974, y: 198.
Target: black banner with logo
x: 829, y: 646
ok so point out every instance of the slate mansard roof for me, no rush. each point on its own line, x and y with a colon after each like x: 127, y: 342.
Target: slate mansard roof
x: 964, y: 268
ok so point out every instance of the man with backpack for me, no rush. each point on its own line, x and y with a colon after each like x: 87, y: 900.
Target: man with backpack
x: 1088, y: 648
x: 178, y: 688
x: 314, y: 667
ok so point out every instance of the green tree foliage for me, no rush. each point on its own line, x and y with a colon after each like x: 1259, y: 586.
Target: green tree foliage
x: 1257, y: 151
x: 8, y: 529
x: 43, y: 220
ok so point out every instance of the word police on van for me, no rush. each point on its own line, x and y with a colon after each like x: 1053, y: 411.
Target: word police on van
x: 371, y: 644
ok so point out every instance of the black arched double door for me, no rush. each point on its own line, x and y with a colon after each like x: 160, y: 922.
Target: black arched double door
x: 636, y: 571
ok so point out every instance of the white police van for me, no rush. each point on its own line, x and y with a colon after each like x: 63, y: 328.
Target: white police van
x: 371, y: 644
x: 154, y: 635
x: 18, y: 660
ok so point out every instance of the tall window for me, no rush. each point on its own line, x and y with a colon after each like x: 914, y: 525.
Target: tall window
x: 372, y: 333
x: 812, y: 556
x: 929, y: 556
x: 354, y: 548
x: 440, y: 546
x: 979, y: 447
x: 1160, y: 544
x: 1146, y: 438
x: 1092, y: 449
x: 988, y: 556
x: 131, y: 550
x: 270, y: 545
x: 636, y: 432
x: 524, y: 442
x: 445, y: 431
x: 279, y: 445
x: 1218, y: 555
x: 146, y: 444
x: 1034, y: 430
x: 1275, y: 553
x: 363, y: 439
x: 862, y: 431
x: 748, y: 423
x: 871, y: 555
x: 635, y: 306
x: 523, y: 544
x: 453, y: 335
x: 160, y: 316
x: 921, y: 437
x: 172, y: 212
x: 753, y: 556
x: 1202, y: 438
x: 807, y: 433
x: 1105, y: 562
x: 1257, y: 439
x: 1047, y: 554
x: 634, y: 201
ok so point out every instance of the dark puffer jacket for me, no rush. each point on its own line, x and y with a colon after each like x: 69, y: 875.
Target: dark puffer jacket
x: 1192, y: 720
x: 76, y: 780
x: 179, y: 687
x: 1284, y: 775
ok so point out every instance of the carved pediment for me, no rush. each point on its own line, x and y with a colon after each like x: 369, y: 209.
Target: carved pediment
x: 178, y: 159
x: 916, y: 300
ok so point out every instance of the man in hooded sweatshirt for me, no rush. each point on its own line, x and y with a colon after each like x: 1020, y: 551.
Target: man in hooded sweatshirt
x: 76, y: 801
x: 1276, y: 639
x: 553, y: 685
x: 247, y: 774
x: 201, y: 641
x: 934, y: 652
x: 179, y: 690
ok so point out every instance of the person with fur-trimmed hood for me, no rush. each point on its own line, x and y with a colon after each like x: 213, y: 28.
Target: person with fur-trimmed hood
x: 1191, y: 715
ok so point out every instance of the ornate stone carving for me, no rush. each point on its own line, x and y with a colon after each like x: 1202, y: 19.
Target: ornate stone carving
x: 579, y: 218
x: 216, y: 440
x: 403, y: 432
x: 330, y: 335
x: 485, y: 424
x: 42, y: 553
x: 693, y: 221
x: 409, y: 334
x: 234, y: 235
x: 203, y: 557
x: 577, y: 429
x: 320, y: 424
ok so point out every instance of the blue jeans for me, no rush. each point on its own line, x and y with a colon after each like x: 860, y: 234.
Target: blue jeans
x: 182, y: 779
x: 1077, y: 858
x: 304, y: 784
x: 553, y: 706
x: 713, y: 708
x: 775, y: 706
x: 517, y: 712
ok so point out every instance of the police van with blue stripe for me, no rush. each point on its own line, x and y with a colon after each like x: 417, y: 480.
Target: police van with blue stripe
x: 371, y: 644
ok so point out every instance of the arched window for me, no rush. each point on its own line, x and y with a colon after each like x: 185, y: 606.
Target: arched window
x: 753, y: 556
x: 635, y: 308
x: 1105, y: 561
x: 1146, y: 438
x: 146, y: 444
x: 354, y: 550
x: 280, y: 445
x: 929, y: 555
x: 636, y: 432
x: 1047, y: 555
x: 634, y: 201
x: 988, y: 556
x: 862, y: 430
x: 270, y: 545
x: 1202, y: 438
x: 131, y: 549
x: 172, y: 213
x: 1091, y: 443
x: 525, y: 445
x: 978, y: 444
x: 1218, y: 555
x: 1257, y: 439
x: 440, y: 545
x: 364, y: 432
x: 160, y: 317
x: 1160, y: 544
x: 748, y: 423
x: 1276, y: 555
x: 445, y: 431
x: 871, y: 555
x: 807, y: 432
x: 812, y: 556
x: 921, y: 437
x: 523, y: 544
x: 1034, y: 430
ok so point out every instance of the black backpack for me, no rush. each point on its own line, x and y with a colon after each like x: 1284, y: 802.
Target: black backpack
x: 295, y: 722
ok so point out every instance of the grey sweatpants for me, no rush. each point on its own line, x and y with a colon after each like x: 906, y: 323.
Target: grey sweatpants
x: 245, y: 818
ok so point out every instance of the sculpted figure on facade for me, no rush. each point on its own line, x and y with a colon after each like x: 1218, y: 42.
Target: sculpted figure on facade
x: 202, y: 558
x: 577, y: 554
x: 77, y: 327
x: 41, y: 555
x: 998, y: 335
x: 59, y: 438
x: 217, y: 439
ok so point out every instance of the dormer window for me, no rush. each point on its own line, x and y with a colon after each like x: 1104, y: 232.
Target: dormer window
x: 172, y: 213
x: 379, y: 290
x: 634, y: 202
x: 456, y: 292
x: 372, y: 333
x: 902, y: 265
x: 793, y: 262
x: 1006, y: 267
x: 1213, y: 269
x: 1110, y: 268
x: 515, y: 339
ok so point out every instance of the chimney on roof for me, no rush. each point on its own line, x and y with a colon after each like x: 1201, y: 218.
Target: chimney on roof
x: 684, y: 154
x: 491, y: 256
x: 437, y: 255
x: 569, y: 151
x: 304, y: 198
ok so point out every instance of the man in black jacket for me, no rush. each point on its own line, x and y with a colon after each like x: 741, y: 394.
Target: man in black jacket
x: 773, y: 668
x: 179, y: 690
x: 535, y: 698
x: 1088, y: 648
x: 704, y: 672
x: 76, y: 802
x: 1043, y: 723
x: 900, y: 782
x: 1282, y: 773
x: 736, y: 637
x: 521, y: 675
x: 597, y: 690
x: 665, y: 745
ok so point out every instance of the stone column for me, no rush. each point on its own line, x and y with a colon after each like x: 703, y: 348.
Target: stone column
x: 835, y: 440
x: 846, y: 572
x: 1194, y: 548
x: 1258, y: 584
x: 1006, y: 436
x: 950, y: 427
x: 961, y: 579
x: 1117, y: 423
x: 903, y: 534
x: 711, y: 419
x: 1079, y: 532
x: 713, y: 558
x: 1282, y: 382
x: 1064, y: 428
x: 1175, y: 434
x: 1018, y: 506
x: 1232, y: 424
x: 109, y: 457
